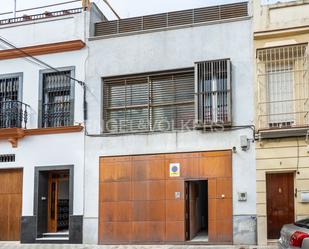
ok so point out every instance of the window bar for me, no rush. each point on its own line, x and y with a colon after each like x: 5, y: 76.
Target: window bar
x: 148, y: 103
x: 229, y: 91
x: 197, y: 93
x: 125, y: 106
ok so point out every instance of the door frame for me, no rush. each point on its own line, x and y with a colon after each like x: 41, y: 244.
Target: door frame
x: 39, y: 169
x: 187, y: 220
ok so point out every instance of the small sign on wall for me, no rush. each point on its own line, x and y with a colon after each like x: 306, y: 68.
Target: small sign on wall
x: 174, y: 169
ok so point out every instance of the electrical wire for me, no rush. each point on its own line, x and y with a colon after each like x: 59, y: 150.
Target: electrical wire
x: 8, y: 43
x: 39, y: 62
x: 112, y: 9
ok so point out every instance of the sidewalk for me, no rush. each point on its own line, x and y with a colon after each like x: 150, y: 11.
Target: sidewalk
x: 11, y: 245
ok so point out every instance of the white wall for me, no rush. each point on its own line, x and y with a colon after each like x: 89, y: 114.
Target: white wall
x: 44, y: 31
x: 166, y: 50
x: 47, y: 150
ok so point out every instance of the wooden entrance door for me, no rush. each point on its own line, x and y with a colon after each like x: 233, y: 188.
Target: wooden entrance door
x: 58, y: 206
x: 53, y: 185
x: 10, y: 203
x: 280, y: 202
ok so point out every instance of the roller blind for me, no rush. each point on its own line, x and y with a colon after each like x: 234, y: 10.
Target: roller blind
x: 157, y: 102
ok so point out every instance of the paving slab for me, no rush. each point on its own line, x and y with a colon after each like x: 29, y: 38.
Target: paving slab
x: 17, y: 245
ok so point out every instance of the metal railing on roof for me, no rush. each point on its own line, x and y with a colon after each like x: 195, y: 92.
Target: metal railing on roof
x: 44, y: 15
x: 172, y: 19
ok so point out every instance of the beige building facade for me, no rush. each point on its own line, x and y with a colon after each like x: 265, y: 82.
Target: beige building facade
x: 281, y: 36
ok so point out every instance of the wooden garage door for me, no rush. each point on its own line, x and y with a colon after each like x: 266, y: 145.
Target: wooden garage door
x: 10, y: 204
x: 137, y: 197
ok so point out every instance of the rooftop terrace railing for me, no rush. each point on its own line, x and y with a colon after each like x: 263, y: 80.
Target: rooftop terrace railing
x: 172, y: 19
x: 44, y: 15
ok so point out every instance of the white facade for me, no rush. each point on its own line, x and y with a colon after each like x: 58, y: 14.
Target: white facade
x: 123, y: 55
x: 166, y: 50
x: 52, y: 149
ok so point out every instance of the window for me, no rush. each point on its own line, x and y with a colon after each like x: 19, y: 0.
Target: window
x: 280, y: 91
x: 283, y: 80
x: 10, y: 105
x: 57, y: 99
x: 156, y: 102
x: 213, y: 92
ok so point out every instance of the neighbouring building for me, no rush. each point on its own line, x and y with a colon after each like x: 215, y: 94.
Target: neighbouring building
x: 169, y: 148
x: 281, y: 36
x: 41, y: 126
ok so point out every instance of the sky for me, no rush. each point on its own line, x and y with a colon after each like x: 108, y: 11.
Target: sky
x: 124, y: 8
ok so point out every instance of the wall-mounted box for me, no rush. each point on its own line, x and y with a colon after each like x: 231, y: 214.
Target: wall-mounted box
x: 304, y: 197
x: 242, y: 196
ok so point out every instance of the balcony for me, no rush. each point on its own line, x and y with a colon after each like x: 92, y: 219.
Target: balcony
x: 13, y: 120
x: 283, y: 91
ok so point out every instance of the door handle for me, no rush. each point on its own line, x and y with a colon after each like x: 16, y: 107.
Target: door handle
x: 43, y: 198
x: 223, y: 196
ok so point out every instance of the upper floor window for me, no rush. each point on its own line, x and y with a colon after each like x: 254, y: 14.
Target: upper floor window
x: 56, y: 99
x: 213, y: 91
x: 283, y: 86
x: 162, y: 101
x: 10, y: 105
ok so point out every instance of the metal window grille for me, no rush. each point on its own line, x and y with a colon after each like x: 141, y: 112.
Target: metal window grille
x: 10, y: 108
x: 149, y: 102
x: 7, y: 158
x: 213, y: 92
x: 282, y: 77
x: 57, y: 99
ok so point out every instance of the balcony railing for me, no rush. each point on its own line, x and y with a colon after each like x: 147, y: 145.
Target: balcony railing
x: 13, y: 114
x: 44, y: 15
x: 172, y: 19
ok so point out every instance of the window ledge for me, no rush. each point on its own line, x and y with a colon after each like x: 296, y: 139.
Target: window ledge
x: 14, y: 134
x: 283, y: 132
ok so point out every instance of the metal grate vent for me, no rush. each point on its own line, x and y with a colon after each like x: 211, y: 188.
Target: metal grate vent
x: 6, y: 158
x: 172, y: 19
